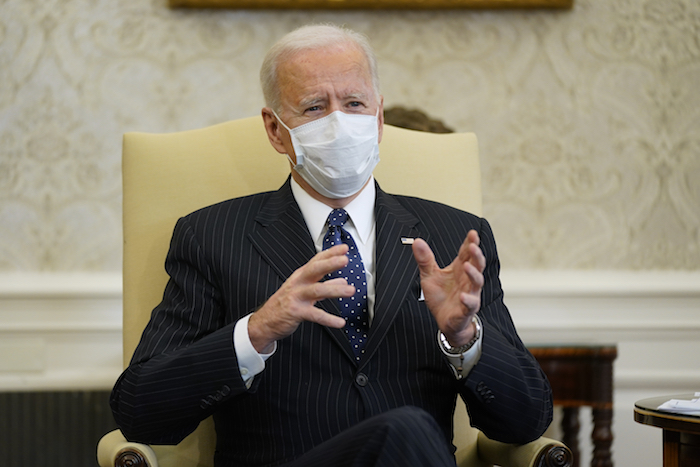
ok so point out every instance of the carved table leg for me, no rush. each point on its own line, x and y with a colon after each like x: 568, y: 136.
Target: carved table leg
x: 570, y: 427
x: 602, y: 438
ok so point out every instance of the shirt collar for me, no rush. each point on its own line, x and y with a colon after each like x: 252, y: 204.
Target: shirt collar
x: 360, y: 210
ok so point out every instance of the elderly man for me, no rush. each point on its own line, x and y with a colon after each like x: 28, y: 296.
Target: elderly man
x: 301, y: 320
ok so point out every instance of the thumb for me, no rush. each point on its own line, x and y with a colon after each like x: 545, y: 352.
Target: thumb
x: 424, y: 256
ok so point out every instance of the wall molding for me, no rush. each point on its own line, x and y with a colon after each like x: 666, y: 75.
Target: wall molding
x: 68, y: 325
x: 63, y: 380
x: 657, y: 379
x: 57, y: 326
x: 596, y: 283
x: 27, y: 285
x: 60, y: 331
x: 516, y: 282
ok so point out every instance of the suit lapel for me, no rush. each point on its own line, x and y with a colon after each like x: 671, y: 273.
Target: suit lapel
x: 396, y: 269
x: 283, y: 239
x: 284, y: 242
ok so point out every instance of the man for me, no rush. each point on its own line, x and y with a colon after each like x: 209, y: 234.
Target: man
x: 303, y: 323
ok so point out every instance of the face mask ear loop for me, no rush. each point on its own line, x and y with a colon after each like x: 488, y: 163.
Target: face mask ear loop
x: 279, y: 120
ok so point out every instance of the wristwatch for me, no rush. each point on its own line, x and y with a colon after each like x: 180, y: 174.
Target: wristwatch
x: 463, y: 348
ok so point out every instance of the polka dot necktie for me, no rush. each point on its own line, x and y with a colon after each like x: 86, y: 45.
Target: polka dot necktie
x: 353, y: 309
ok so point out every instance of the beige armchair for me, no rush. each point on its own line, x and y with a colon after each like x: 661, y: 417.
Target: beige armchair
x: 234, y: 159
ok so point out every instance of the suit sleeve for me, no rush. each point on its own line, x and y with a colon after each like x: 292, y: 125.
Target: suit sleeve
x: 185, y: 364
x: 507, y: 393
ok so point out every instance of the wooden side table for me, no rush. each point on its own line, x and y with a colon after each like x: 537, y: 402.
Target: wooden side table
x: 582, y: 375
x: 681, y: 433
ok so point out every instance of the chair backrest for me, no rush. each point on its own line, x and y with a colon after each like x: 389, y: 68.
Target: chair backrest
x: 166, y: 176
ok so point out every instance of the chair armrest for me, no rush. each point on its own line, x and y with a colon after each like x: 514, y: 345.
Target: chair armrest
x: 114, y: 450
x: 543, y: 452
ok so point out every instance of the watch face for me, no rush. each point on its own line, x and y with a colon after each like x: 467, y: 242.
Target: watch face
x: 445, y: 343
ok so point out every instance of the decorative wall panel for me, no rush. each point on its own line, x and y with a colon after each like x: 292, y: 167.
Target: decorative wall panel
x: 588, y: 119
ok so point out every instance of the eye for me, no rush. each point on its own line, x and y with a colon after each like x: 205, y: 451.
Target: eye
x: 356, y: 106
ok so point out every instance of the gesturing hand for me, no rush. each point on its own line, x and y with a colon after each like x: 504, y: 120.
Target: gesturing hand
x: 294, y: 302
x: 453, y: 294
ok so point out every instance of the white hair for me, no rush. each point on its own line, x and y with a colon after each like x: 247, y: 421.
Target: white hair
x: 311, y: 37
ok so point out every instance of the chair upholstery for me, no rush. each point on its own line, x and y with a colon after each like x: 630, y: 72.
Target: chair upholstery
x: 234, y: 159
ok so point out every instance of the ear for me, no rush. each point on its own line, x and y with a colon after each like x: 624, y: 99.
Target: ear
x: 276, y: 133
x: 380, y: 117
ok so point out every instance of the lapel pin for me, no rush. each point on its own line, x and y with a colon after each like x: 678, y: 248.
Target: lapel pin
x: 407, y: 241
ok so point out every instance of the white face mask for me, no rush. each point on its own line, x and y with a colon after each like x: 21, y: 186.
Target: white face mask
x: 336, y: 154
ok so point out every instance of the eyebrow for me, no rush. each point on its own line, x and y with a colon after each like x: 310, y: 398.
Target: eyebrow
x: 318, y: 100
x: 311, y: 101
x: 356, y: 95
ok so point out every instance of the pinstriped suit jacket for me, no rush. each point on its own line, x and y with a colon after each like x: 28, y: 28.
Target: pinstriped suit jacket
x: 226, y: 260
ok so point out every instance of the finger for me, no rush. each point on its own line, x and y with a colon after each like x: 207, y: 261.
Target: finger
x: 465, y: 249
x: 476, y: 278
x: 471, y: 303
x: 424, y: 256
x: 317, y: 315
x: 473, y: 237
x: 324, y: 263
x: 336, y: 250
x: 334, y: 288
x: 476, y: 257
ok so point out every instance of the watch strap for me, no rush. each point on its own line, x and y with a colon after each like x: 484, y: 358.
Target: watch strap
x: 463, y: 348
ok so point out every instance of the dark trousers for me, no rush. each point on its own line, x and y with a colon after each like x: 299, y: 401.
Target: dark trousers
x: 403, y: 437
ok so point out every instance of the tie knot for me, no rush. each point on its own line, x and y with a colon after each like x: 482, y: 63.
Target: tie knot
x: 337, y: 217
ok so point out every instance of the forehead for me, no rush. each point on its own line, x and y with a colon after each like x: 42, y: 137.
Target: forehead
x: 341, y: 69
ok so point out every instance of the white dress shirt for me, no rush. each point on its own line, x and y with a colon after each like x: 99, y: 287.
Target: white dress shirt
x: 361, y: 226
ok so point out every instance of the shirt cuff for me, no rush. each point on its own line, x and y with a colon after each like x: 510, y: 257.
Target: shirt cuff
x: 250, y: 362
x: 469, y: 358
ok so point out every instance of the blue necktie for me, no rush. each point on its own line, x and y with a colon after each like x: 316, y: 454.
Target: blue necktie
x: 353, y: 309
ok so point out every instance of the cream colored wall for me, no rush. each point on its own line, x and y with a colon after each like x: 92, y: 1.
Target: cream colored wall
x: 590, y: 141
x: 588, y: 119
